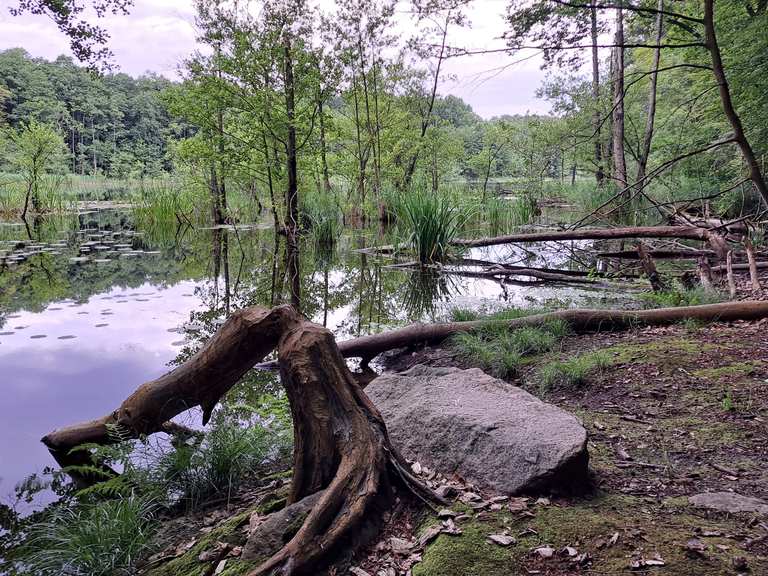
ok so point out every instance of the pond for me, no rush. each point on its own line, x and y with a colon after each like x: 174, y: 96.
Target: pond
x: 92, y: 306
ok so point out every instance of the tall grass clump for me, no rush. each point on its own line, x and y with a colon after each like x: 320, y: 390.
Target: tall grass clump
x: 323, y: 218
x: 428, y: 222
x: 90, y: 539
x: 504, y: 214
x: 162, y: 201
x: 573, y: 373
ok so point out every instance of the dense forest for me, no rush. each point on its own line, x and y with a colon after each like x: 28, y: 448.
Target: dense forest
x: 410, y: 340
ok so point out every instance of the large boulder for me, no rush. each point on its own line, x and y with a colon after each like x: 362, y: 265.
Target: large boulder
x: 489, y: 432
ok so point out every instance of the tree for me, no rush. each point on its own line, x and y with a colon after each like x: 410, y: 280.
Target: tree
x: 36, y: 150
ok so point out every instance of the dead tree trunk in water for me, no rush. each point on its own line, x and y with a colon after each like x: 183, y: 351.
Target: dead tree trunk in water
x: 341, y: 445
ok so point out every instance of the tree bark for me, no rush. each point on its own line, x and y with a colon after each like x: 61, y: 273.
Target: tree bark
x: 710, y: 40
x: 619, y: 160
x: 755, y: 279
x: 292, y: 190
x: 596, y: 121
x: 729, y: 273
x: 645, y: 152
x: 580, y: 322
x: 650, y: 268
x: 341, y: 444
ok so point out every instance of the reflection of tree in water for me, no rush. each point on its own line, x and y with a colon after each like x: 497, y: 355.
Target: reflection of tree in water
x: 423, y: 290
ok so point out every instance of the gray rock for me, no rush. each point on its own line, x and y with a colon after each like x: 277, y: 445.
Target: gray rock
x: 485, y: 430
x: 277, y: 529
x: 729, y: 502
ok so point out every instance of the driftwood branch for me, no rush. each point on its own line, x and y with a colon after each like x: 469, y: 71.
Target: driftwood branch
x: 716, y: 241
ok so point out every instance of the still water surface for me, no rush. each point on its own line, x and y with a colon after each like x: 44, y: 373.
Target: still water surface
x: 90, y: 307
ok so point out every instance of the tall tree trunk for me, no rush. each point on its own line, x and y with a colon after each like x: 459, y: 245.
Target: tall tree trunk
x: 599, y: 168
x: 291, y: 164
x: 617, y: 127
x: 427, y: 119
x: 645, y: 152
x: 710, y: 39
x: 323, y: 145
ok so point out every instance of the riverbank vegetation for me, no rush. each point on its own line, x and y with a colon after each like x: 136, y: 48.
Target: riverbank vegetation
x: 300, y: 124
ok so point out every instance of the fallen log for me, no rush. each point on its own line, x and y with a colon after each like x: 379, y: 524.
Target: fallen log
x: 716, y: 241
x: 503, y: 271
x: 720, y: 268
x: 580, y: 321
x: 658, y: 254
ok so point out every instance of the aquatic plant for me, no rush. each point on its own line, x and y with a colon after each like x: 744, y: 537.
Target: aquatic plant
x: 427, y: 223
x: 323, y: 218
x: 504, y: 214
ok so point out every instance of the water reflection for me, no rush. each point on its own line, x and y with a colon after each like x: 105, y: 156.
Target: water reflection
x: 91, y: 306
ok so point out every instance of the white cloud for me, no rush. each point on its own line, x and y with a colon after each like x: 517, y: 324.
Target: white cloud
x: 159, y: 34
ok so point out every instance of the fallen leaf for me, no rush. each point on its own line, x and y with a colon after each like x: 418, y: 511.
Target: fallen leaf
x: 502, y: 539
x: 545, y: 551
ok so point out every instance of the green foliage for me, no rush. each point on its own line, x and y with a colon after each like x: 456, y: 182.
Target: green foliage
x: 499, y: 350
x: 504, y: 214
x: 428, y: 222
x: 103, y: 538
x: 323, y: 216
x: 573, y: 373
x: 679, y: 297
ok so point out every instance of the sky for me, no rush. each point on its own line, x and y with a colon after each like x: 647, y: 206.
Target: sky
x: 158, y: 34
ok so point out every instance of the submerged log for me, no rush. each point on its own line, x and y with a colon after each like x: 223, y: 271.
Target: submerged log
x: 716, y: 241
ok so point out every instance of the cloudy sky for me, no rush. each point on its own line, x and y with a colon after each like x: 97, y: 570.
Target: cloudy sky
x: 158, y: 34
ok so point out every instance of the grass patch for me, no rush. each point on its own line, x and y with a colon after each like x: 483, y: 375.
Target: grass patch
x: 679, y: 297
x: 573, y: 373
x: 500, y: 351
x: 102, y: 538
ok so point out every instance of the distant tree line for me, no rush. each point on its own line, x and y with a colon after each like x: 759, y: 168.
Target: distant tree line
x: 112, y: 124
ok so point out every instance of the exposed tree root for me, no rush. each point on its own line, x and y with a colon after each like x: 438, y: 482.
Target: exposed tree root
x: 341, y: 444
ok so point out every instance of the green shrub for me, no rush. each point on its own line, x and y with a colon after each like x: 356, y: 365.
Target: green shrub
x: 679, y: 297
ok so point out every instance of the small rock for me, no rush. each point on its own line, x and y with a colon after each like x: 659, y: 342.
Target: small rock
x: 416, y: 467
x: 729, y: 502
x: 695, y: 547
x: 446, y: 492
x: 502, y: 539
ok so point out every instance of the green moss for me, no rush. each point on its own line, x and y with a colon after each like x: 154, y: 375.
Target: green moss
x: 659, y: 351
x: 470, y: 554
x: 188, y: 563
x: 644, y: 526
x: 730, y: 371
